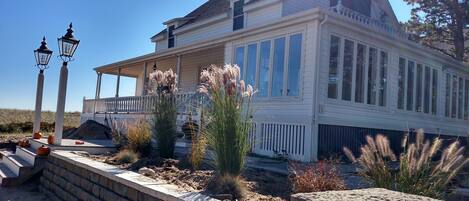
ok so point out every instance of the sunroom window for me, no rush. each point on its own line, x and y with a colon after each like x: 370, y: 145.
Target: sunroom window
x: 457, y: 97
x: 238, y: 15
x: 357, y: 72
x: 417, y: 87
x: 272, y: 66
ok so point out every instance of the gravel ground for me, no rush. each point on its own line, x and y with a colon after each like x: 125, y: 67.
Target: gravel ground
x: 26, y: 192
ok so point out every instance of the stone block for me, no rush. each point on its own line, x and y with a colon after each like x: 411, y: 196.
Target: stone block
x: 108, y: 195
x: 96, y: 190
x: 94, y: 177
x: 86, y: 185
x: 132, y: 194
x: 119, y: 188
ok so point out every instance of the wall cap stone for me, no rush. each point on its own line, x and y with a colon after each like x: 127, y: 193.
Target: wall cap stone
x: 155, y: 188
x: 359, y: 195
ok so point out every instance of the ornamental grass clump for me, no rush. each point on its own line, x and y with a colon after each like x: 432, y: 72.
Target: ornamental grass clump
x: 229, y: 118
x: 139, y: 137
x: 420, y: 171
x: 164, y: 88
x: 323, y: 176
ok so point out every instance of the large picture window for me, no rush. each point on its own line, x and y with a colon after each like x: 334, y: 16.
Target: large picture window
x: 272, y: 66
x: 457, y: 95
x: 363, y: 72
x: 417, y: 87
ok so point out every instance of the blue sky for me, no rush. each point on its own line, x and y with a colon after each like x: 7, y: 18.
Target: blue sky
x: 109, y: 31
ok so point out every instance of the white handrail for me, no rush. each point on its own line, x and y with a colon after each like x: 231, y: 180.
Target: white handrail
x: 130, y: 104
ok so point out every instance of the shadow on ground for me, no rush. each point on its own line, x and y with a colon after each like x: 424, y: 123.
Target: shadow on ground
x: 28, y: 191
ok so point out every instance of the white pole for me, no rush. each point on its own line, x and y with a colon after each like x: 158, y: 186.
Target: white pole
x: 96, y: 96
x: 59, y: 113
x: 37, y: 113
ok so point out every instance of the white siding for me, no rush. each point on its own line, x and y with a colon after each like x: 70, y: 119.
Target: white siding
x: 263, y: 15
x: 204, y: 33
x: 161, y: 45
x: 192, y: 63
x: 294, y: 6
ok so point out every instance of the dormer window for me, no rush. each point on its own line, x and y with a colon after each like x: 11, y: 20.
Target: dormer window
x: 171, y: 36
x: 238, y: 15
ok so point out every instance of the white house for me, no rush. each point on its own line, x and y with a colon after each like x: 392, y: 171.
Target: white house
x: 328, y: 72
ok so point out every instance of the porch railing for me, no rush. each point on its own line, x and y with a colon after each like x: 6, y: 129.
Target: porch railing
x: 373, y: 23
x: 131, y: 104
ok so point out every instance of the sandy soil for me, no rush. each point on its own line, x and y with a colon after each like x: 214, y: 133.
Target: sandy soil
x: 260, y: 185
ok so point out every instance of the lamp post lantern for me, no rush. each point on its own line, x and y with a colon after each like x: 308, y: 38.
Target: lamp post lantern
x: 42, y: 55
x: 67, y: 47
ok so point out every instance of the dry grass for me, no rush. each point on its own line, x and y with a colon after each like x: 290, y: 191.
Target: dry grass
x: 126, y: 156
x: 7, y: 116
x: 139, y: 137
x: 323, y: 176
x: 419, y: 173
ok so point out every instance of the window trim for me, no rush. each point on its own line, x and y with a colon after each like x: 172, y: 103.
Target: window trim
x: 173, y: 36
x: 272, y: 39
x: 243, y: 15
x: 465, y: 78
x: 339, y: 100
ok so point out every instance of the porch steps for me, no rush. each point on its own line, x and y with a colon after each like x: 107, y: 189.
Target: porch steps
x: 16, y: 168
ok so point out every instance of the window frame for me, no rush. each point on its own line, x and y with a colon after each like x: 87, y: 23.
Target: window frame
x: 272, y: 39
x: 432, y: 114
x: 459, y: 105
x: 242, y: 15
x: 368, y: 46
x: 171, y: 36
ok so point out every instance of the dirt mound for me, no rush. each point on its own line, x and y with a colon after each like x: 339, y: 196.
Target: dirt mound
x: 90, y: 130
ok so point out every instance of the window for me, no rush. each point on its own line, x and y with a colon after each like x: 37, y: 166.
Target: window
x: 372, y: 72
x: 171, y: 36
x: 454, y: 97
x: 466, y: 100
x: 251, y: 65
x: 347, y: 71
x: 264, y: 63
x: 357, y: 72
x: 426, y: 91
x: 239, y: 60
x: 448, y: 96
x: 418, y: 102
x: 333, y: 67
x: 457, y: 94
x: 272, y: 66
x: 435, y: 92
x: 383, y: 74
x: 401, y: 83
x: 410, y: 85
x: 418, y: 87
x: 278, y: 67
x: 360, y: 74
x: 238, y: 15
x: 294, y: 63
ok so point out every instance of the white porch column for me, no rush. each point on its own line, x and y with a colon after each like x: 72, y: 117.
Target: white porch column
x: 59, y: 114
x: 145, y: 79
x: 118, y: 82
x: 38, y: 108
x: 98, y: 91
x: 178, y: 70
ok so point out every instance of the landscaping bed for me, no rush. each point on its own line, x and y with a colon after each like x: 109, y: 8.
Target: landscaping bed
x: 259, y: 185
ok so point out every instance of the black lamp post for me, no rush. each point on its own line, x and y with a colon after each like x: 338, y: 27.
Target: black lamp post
x: 67, y: 46
x: 42, y: 55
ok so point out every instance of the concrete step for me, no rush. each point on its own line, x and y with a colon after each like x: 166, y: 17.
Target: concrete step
x: 16, y: 164
x: 27, y: 154
x: 7, y: 176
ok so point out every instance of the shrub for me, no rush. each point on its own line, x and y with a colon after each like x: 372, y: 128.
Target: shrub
x: 199, y: 144
x: 139, y: 136
x: 126, y: 156
x: 163, y: 86
x: 322, y: 176
x: 118, y: 132
x: 417, y: 173
x: 230, y: 117
x: 228, y: 185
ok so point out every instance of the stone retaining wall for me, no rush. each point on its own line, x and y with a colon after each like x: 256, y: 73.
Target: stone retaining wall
x: 69, y: 177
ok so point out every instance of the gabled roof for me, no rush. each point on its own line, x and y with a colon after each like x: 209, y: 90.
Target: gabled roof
x: 208, y: 9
